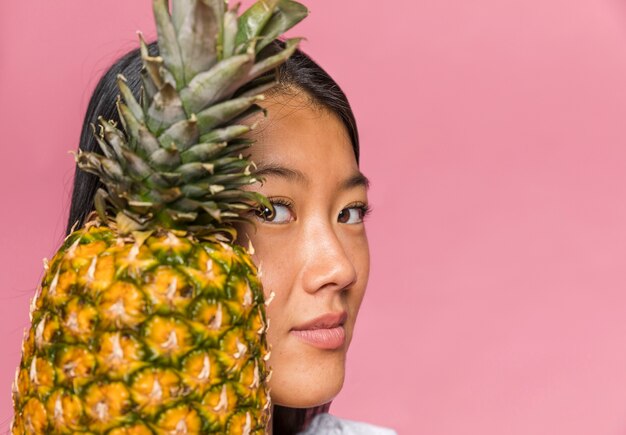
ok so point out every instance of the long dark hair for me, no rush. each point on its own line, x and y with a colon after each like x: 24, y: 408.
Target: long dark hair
x: 299, y: 72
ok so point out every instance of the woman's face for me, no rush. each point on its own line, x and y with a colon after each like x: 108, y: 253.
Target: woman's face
x: 313, y: 253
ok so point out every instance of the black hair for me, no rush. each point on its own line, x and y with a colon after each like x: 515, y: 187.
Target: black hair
x: 299, y: 72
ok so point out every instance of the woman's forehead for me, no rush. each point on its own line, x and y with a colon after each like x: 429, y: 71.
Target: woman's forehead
x: 292, y: 124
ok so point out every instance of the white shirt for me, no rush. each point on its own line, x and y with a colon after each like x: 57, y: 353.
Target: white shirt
x: 330, y: 425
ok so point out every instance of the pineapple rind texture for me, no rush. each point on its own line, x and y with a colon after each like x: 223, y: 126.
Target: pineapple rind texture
x: 112, y: 350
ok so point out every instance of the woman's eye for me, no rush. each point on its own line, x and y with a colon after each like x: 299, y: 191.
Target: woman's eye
x: 282, y: 214
x: 352, y: 215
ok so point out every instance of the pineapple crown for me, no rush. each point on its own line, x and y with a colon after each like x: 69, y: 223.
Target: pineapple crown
x: 176, y: 161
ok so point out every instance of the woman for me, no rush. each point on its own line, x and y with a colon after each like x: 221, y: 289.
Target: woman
x: 313, y: 250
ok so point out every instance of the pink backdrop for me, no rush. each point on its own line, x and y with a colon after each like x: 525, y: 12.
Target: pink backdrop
x: 494, y: 132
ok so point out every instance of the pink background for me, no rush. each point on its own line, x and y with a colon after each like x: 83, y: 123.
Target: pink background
x: 494, y: 132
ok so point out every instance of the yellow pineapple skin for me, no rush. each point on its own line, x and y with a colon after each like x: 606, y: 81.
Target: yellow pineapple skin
x: 163, y: 334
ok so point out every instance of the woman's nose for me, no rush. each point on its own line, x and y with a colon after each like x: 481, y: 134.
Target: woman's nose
x: 327, y: 264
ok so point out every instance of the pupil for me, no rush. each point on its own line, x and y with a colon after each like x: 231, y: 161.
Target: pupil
x: 265, y: 213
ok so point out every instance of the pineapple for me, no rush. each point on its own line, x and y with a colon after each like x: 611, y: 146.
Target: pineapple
x: 149, y: 319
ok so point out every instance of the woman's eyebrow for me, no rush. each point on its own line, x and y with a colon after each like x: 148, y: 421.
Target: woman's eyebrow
x: 283, y: 172
x: 357, y: 180
x: 295, y: 175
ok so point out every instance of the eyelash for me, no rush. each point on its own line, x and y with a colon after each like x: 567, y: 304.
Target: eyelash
x: 281, y: 201
x: 365, y: 209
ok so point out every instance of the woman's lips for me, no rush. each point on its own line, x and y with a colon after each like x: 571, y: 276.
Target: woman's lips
x: 323, y: 332
x: 331, y: 338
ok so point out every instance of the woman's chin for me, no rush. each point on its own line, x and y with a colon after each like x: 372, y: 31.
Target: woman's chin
x: 304, y: 401
x: 307, y: 389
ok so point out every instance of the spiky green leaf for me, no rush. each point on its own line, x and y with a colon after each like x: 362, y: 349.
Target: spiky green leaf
x: 218, y: 114
x: 202, y: 152
x: 197, y: 32
x: 273, y: 61
x: 181, y: 135
x: 288, y: 13
x: 252, y: 21
x: 168, y: 43
x: 229, y: 33
x: 166, y: 109
x: 213, y: 85
x: 225, y: 134
x: 134, y: 107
